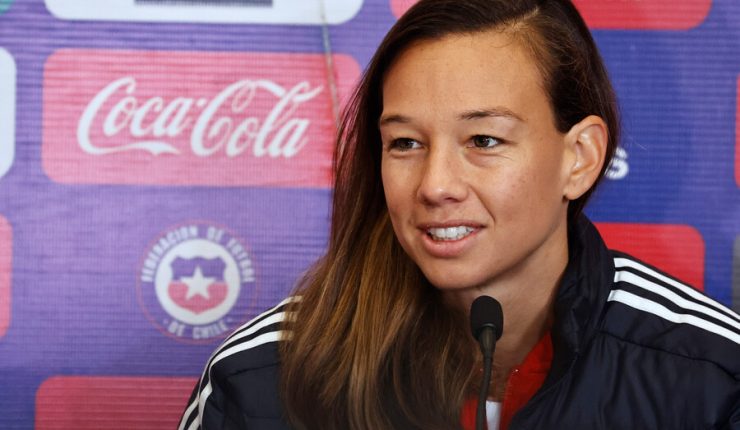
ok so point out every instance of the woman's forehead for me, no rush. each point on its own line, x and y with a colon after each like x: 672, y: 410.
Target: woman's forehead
x: 462, y: 73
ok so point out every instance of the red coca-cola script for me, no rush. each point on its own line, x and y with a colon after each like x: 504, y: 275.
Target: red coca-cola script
x: 626, y: 14
x: 192, y: 118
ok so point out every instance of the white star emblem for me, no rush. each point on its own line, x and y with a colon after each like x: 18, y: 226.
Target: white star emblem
x: 197, y: 284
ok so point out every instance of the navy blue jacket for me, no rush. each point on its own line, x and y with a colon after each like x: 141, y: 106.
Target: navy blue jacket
x: 633, y: 349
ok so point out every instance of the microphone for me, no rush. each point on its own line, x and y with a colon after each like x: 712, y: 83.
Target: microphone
x: 487, y: 324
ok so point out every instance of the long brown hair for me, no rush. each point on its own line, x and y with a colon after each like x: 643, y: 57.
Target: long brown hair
x: 373, y: 345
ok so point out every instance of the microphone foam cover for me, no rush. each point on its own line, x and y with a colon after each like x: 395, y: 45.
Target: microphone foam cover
x: 486, y: 312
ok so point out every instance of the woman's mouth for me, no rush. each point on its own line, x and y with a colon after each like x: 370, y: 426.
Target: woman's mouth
x: 449, y: 233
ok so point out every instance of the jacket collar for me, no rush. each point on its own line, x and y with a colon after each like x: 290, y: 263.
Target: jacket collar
x: 581, y: 297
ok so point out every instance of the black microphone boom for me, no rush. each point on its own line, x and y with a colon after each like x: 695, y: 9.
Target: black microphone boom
x: 487, y: 324
x: 486, y: 312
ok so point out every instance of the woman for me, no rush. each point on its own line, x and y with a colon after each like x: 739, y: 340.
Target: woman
x: 475, y: 138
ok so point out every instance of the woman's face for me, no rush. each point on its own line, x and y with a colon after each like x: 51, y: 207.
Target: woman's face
x: 473, y: 167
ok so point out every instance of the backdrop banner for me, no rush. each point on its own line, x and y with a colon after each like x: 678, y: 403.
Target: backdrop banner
x: 165, y: 175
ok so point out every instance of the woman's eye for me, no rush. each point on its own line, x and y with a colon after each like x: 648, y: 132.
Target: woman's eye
x: 481, y: 141
x: 404, y: 144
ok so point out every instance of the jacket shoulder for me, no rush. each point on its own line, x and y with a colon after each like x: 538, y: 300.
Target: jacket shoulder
x: 648, y: 308
x: 254, y: 344
x: 246, y: 360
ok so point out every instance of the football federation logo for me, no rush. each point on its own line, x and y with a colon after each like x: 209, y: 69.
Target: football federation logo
x: 196, y: 282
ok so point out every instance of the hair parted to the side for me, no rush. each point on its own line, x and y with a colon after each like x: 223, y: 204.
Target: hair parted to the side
x: 373, y: 346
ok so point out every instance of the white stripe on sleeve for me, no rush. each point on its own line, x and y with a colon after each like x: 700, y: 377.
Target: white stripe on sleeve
x: 649, y: 306
x: 648, y: 285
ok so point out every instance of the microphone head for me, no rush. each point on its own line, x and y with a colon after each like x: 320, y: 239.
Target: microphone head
x: 486, y: 312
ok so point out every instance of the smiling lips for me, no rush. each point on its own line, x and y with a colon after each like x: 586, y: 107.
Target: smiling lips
x: 449, y: 233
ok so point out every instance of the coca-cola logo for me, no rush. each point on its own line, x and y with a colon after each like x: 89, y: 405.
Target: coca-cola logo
x: 625, y: 14
x: 246, y: 119
x: 7, y: 111
x: 154, y: 122
x: 217, y: 11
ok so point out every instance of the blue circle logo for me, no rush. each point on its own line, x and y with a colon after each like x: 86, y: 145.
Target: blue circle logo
x: 195, y: 281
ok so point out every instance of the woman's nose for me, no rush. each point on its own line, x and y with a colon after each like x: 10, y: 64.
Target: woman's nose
x: 442, y: 179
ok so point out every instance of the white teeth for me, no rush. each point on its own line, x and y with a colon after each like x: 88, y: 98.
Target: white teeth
x: 449, y: 233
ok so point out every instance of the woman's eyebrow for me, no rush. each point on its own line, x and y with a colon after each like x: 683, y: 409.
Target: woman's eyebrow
x: 389, y: 119
x: 500, y: 112
x: 487, y: 113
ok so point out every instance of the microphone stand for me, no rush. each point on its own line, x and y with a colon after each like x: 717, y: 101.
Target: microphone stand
x: 486, y: 323
x: 487, y: 346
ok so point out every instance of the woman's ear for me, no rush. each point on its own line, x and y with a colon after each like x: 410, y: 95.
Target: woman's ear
x: 586, y: 145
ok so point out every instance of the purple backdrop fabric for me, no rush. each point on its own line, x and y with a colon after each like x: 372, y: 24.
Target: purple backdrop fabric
x: 126, y: 265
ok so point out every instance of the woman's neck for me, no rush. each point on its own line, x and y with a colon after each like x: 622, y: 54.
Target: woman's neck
x: 527, y: 300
